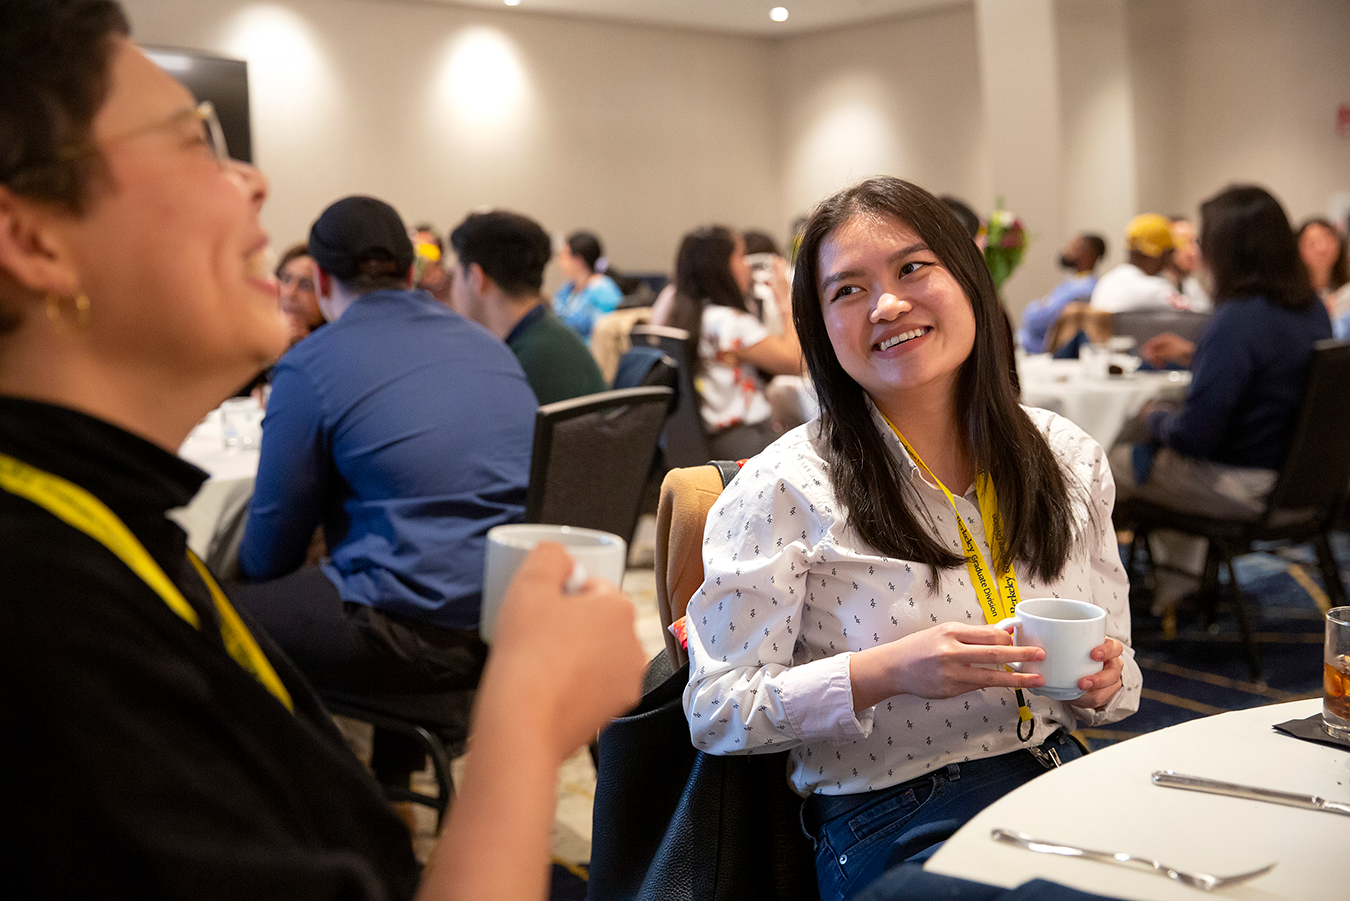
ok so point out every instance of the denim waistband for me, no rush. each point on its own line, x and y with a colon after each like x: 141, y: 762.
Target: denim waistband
x: 819, y: 809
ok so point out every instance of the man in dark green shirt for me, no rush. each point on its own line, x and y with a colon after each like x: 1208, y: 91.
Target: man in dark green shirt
x: 497, y: 282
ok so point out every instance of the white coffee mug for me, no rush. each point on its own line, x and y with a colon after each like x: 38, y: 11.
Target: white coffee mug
x: 600, y: 554
x: 1067, y: 631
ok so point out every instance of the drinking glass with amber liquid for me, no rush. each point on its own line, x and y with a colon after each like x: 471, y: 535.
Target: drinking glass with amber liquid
x: 1336, y: 675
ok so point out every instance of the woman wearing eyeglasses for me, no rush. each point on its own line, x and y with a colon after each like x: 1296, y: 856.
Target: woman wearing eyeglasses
x: 155, y: 745
x: 296, y: 298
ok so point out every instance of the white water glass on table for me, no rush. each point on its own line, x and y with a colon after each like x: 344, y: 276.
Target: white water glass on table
x: 240, y: 423
x: 1067, y: 631
x: 1094, y: 360
x: 598, y: 554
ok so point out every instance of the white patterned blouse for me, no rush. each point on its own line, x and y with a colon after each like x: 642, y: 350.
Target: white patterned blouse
x: 790, y: 591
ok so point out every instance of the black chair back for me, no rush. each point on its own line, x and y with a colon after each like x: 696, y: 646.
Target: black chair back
x: 1314, y: 480
x: 686, y: 442
x: 592, y: 456
x: 1144, y: 324
x: 647, y: 367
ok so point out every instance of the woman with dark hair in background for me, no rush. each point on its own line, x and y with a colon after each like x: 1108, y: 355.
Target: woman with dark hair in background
x: 156, y: 745
x: 588, y: 293
x: 838, y: 618
x: 1323, y: 251
x: 296, y: 298
x: 1220, y: 453
x: 728, y: 346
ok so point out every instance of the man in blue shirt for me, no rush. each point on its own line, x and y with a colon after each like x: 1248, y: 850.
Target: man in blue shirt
x: 405, y: 431
x: 1080, y: 257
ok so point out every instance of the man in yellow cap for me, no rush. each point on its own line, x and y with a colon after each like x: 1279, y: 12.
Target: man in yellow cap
x: 1138, y: 284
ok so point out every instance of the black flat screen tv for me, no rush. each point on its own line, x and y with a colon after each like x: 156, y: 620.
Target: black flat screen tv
x: 222, y: 81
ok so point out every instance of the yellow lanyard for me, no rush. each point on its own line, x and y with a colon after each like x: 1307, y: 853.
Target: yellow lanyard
x: 997, y: 592
x: 76, y: 507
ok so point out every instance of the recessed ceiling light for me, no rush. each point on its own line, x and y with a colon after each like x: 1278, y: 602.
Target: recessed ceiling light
x: 778, y: 13
x: 511, y: 2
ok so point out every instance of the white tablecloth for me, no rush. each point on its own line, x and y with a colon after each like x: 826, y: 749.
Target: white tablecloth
x: 1100, y: 405
x: 1106, y: 801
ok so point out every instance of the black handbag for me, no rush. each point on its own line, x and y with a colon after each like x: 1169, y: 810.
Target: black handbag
x: 671, y: 822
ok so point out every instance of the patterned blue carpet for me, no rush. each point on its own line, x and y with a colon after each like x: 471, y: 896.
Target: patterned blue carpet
x: 1204, y: 671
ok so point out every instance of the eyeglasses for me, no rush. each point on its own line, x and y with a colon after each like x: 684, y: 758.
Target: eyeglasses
x: 204, y: 114
x: 302, y: 282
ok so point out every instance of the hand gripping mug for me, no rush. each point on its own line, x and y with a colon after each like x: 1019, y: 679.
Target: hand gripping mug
x: 1067, y: 631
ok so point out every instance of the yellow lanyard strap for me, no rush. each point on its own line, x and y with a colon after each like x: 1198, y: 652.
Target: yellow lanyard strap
x: 78, y: 508
x: 998, y: 593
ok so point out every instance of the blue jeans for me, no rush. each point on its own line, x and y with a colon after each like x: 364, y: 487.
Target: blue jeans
x: 859, y: 837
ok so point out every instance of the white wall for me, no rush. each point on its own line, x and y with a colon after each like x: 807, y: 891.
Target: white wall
x: 1099, y: 188
x: 1257, y: 93
x: 643, y: 132
x: 898, y: 97
x: 639, y: 133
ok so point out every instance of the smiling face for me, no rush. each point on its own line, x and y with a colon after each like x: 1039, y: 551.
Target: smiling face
x: 297, y: 299
x: 898, y: 321
x: 170, y: 252
x: 1319, y: 247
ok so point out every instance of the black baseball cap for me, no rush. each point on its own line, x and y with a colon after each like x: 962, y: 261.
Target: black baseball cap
x: 360, y: 236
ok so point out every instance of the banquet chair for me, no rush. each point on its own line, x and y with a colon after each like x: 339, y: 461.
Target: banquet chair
x: 592, y: 456
x: 671, y: 822
x: 1075, y: 318
x: 1142, y: 325
x: 647, y: 367
x: 1309, y: 492
x: 436, y: 721
x: 609, y: 336
x: 686, y: 442
x: 686, y: 496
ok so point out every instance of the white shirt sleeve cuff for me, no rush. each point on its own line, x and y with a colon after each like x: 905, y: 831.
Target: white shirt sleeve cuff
x: 818, y: 700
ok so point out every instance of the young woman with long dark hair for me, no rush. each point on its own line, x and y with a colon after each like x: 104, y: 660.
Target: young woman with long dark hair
x: 1220, y: 453
x: 729, y: 347
x: 837, y: 618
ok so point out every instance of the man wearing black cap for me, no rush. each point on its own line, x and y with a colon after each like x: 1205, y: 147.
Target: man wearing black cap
x: 405, y: 431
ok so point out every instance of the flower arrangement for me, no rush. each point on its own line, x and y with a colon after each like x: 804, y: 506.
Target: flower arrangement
x: 1005, y: 244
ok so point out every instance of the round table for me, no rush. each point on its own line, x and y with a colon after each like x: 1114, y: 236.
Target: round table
x: 1099, y: 404
x: 1106, y: 801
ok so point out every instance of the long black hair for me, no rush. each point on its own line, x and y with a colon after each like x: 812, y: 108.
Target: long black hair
x: 703, y: 276
x: 1251, y: 251
x: 1033, y: 490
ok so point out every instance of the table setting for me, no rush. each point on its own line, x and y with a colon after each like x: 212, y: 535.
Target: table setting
x: 1251, y: 804
x: 1100, y: 391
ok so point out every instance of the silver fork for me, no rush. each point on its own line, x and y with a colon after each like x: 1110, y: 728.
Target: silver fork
x: 1202, y: 881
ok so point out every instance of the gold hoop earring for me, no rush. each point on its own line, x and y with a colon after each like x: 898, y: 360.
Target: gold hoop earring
x: 81, y: 303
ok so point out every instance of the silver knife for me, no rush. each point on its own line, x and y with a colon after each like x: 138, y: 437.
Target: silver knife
x: 1213, y: 786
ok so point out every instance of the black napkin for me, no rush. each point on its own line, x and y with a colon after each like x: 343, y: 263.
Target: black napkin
x: 1310, y: 729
